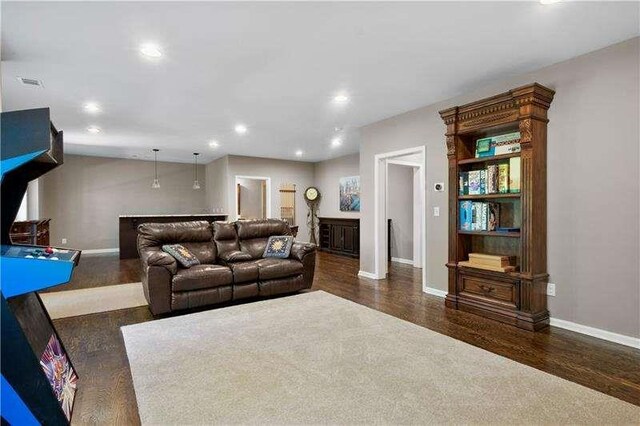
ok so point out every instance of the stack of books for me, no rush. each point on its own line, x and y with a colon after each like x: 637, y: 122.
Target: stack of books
x: 500, y: 178
x: 498, y: 145
x: 490, y: 262
x: 479, y: 216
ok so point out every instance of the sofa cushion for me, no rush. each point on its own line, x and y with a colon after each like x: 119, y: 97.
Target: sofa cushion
x: 200, y: 277
x: 205, y: 251
x: 225, y: 237
x: 244, y: 272
x: 263, y: 228
x: 254, y: 247
x: 181, y: 254
x: 157, y: 234
x: 272, y: 268
x: 278, y: 246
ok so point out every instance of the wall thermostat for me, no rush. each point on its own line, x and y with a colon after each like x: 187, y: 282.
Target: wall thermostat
x: 438, y: 187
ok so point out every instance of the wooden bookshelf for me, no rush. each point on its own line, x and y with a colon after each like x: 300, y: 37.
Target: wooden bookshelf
x: 518, y: 298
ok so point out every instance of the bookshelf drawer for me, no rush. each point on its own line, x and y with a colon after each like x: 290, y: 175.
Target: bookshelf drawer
x: 489, y: 289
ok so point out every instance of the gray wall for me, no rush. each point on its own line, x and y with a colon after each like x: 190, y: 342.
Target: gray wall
x: 217, y: 185
x: 327, y: 176
x: 85, y: 195
x: 251, y: 198
x: 280, y: 171
x: 400, y: 210
x: 593, y: 184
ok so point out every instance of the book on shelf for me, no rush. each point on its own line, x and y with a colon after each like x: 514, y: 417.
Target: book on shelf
x: 492, y: 178
x: 490, y: 262
x: 514, y: 175
x: 507, y: 229
x: 503, y: 178
x: 463, y: 183
x: 498, y: 145
x: 479, y: 216
x: 474, y: 183
x: 466, y: 215
x: 487, y: 267
x: 491, y: 259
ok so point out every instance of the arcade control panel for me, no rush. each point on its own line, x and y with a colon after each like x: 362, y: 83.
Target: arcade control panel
x: 41, y: 253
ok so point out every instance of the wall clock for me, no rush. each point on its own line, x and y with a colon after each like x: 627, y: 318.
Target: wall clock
x: 312, y: 197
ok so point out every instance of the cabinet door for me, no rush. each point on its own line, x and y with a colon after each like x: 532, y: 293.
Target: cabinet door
x: 348, y: 239
x: 336, y: 237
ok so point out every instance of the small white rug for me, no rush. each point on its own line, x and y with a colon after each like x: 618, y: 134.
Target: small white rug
x: 72, y: 303
x: 315, y: 358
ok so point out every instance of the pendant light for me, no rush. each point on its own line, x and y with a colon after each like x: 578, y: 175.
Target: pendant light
x: 196, y: 184
x: 156, y: 182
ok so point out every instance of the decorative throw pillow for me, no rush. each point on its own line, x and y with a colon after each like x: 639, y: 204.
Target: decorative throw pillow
x: 278, y: 246
x: 182, y: 254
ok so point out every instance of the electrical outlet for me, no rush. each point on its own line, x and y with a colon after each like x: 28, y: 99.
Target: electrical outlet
x: 551, y: 289
x: 436, y: 211
x: 64, y: 241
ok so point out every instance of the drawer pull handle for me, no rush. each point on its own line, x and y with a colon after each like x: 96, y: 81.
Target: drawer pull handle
x: 486, y: 289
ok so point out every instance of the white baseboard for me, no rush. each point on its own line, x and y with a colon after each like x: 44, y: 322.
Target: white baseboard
x: 634, y: 342
x: 365, y: 274
x: 101, y: 251
x: 401, y: 260
x: 435, y: 292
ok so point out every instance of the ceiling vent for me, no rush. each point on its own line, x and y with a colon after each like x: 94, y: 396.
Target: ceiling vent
x: 32, y: 82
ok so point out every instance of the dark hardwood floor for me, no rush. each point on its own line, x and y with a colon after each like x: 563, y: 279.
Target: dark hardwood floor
x: 105, y: 390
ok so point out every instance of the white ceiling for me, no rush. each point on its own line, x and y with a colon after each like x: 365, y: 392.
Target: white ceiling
x: 273, y: 66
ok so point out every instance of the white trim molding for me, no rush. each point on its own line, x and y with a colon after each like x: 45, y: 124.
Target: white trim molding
x: 365, y: 274
x: 634, y: 342
x: 101, y: 251
x: 401, y: 260
x: 435, y: 292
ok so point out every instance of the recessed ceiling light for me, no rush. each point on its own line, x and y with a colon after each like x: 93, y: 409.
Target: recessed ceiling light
x: 214, y: 144
x: 93, y: 129
x: 341, y: 99
x: 549, y: 1
x: 241, y: 129
x: 299, y: 153
x: 337, y: 129
x: 151, y: 50
x: 336, y: 142
x: 92, y: 108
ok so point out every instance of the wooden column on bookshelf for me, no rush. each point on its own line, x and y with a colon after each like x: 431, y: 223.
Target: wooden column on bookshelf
x: 518, y: 298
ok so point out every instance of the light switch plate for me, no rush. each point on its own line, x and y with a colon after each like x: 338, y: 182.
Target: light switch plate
x: 436, y: 211
x: 64, y: 241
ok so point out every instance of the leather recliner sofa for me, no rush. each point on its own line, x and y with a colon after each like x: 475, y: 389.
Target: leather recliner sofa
x: 231, y: 263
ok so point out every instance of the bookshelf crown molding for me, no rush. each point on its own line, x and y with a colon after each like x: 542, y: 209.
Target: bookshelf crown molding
x: 530, y: 101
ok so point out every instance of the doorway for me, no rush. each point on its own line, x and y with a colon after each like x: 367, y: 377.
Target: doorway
x: 253, y: 197
x: 414, y: 159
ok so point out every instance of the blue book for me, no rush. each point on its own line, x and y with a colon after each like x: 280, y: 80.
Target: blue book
x: 466, y: 215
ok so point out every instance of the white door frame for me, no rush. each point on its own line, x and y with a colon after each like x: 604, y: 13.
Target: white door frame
x: 267, y: 190
x: 380, y: 181
x: 418, y: 190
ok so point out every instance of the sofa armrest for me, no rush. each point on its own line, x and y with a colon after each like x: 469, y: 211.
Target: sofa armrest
x: 234, y: 256
x: 299, y: 250
x: 154, y: 256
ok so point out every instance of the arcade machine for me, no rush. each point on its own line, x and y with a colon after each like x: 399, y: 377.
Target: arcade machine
x: 38, y: 379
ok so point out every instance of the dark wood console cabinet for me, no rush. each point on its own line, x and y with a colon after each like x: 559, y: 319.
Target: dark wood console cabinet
x: 340, y: 236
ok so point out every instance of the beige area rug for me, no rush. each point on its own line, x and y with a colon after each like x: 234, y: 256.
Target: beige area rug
x: 72, y: 303
x: 315, y: 358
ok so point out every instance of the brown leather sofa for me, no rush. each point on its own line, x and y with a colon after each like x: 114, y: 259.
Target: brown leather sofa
x: 231, y: 263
